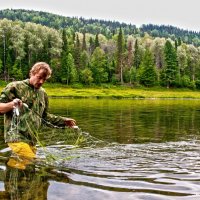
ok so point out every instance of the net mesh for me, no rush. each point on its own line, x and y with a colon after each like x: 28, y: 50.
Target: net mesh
x: 53, y: 136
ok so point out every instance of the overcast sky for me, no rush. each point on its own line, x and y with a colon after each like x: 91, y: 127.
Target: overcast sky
x: 180, y: 13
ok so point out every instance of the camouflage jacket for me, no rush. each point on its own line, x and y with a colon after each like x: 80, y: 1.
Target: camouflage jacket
x: 25, y: 127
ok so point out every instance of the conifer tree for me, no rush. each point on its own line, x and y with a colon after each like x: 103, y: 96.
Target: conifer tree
x: 130, y: 54
x: 92, y: 46
x: 147, y: 71
x: 84, y: 59
x: 120, y: 52
x: 65, y: 42
x: 176, y: 44
x: 179, y: 41
x: 77, y: 53
x: 64, y: 54
x: 1, y: 67
x: 71, y: 69
x: 96, y: 43
x: 170, y: 72
x: 136, y: 56
x: 84, y: 46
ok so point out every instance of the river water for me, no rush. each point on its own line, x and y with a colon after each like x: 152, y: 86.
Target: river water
x: 133, y: 149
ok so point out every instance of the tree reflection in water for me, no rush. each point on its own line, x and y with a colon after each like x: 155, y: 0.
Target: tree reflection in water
x: 31, y: 182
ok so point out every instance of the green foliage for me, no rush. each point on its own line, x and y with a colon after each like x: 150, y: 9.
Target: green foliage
x: 69, y: 72
x: 98, y: 64
x: 197, y: 83
x: 137, y: 55
x: 77, y: 52
x: 120, y: 53
x: 186, y: 36
x: 133, y: 75
x: 17, y: 72
x: 126, y: 75
x: 185, y: 81
x: 147, y: 71
x: 1, y: 67
x: 97, y: 52
x: 93, y: 26
x: 84, y: 59
x: 72, y: 70
x: 114, y: 79
x: 86, y: 76
x: 84, y: 45
x: 170, y: 69
x: 96, y: 43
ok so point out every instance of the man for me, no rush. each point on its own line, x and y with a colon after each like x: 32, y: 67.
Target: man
x: 32, y: 101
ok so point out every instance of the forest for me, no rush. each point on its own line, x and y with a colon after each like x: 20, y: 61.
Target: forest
x: 95, y: 52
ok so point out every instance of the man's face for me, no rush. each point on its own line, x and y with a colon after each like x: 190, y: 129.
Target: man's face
x: 38, y: 78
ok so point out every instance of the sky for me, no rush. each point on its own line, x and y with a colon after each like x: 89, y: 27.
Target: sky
x: 183, y: 14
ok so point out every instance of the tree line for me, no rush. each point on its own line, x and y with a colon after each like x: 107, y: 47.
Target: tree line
x: 105, y: 27
x: 94, y: 59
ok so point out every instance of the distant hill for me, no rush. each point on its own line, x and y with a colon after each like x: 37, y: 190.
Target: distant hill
x: 94, y: 26
x: 191, y: 37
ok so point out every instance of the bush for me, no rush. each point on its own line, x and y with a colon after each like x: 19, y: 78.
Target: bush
x: 114, y: 79
x: 185, y: 81
x: 197, y: 83
x: 77, y: 85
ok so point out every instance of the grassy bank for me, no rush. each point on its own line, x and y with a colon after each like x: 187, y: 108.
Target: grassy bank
x: 59, y: 90
x: 119, y: 92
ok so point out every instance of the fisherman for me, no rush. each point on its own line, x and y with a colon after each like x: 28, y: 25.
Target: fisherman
x: 29, y: 100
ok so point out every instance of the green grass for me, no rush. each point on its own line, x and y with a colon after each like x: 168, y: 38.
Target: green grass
x: 118, y: 92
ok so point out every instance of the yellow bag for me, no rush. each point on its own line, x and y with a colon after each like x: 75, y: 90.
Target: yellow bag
x: 25, y: 153
x: 23, y: 149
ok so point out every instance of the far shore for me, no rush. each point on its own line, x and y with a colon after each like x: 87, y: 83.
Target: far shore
x: 63, y: 91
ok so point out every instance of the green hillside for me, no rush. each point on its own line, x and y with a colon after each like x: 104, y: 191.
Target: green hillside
x: 97, y: 52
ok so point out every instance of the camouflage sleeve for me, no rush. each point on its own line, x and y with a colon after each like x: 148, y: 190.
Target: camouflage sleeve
x: 8, y: 94
x: 53, y: 119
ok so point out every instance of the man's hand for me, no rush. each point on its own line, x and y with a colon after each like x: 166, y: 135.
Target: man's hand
x: 70, y: 122
x: 17, y: 103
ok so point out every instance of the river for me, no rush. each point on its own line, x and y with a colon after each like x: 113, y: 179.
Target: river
x: 128, y: 149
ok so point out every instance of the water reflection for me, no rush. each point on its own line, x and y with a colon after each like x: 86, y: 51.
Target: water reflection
x: 133, y: 121
x: 25, y: 184
x: 31, y: 182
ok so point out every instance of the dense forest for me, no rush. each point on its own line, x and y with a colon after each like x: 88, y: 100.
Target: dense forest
x: 93, y: 26
x: 96, y: 52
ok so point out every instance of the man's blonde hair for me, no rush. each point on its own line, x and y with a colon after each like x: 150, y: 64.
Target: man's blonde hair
x: 41, y: 65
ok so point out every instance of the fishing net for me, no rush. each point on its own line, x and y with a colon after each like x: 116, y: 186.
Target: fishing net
x: 14, y: 124
x: 50, y: 137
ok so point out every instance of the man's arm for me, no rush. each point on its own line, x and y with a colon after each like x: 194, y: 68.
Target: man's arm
x: 60, y: 121
x: 6, y: 107
x: 8, y: 99
x: 56, y: 120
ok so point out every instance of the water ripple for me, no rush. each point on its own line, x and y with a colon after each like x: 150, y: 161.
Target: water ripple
x: 166, y: 169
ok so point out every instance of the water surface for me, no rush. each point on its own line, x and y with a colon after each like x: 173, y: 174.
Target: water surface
x: 135, y: 149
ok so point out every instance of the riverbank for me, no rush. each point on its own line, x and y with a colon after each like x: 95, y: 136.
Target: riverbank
x: 120, y: 92
x: 63, y: 91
